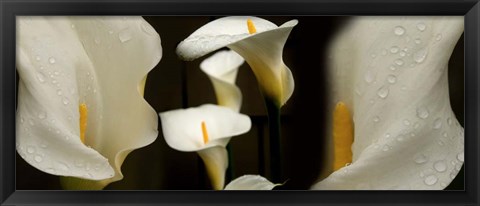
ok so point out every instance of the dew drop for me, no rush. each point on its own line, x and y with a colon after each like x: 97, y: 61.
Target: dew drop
x: 399, y: 62
x: 406, y: 122
x: 387, y: 135
x: 422, y: 112
x: 418, y: 41
x: 41, y: 77
x: 373, y: 56
x: 449, y: 121
x: 38, y: 158
x: 420, y: 159
x: 42, y: 115
x: 394, y: 49
x: 393, y: 68
x: 420, y: 55
x: 30, y: 149
x: 369, y: 77
x: 438, y: 37
x: 65, y: 101
x: 52, y: 60
x: 440, y: 166
x: 62, y: 166
x: 376, y: 119
x: 59, y: 92
x: 30, y: 121
x: 399, y: 30
x: 421, y: 26
x: 147, y: 29
x: 383, y: 92
x: 437, y: 124
x: 445, y: 134
x: 460, y: 156
x: 385, y: 148
x: 125, y: 35
x: 38, y: 58
x: 431, y: 180
x: 391, y: 79
x: 400, y: 138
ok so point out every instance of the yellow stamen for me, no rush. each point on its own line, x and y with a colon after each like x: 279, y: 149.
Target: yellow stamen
x: 83, y: 121
x: 342, y: 136
x: 251, y: 27
x: 205, y: 133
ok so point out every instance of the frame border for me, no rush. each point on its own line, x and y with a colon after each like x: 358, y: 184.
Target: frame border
x: 11, y: 8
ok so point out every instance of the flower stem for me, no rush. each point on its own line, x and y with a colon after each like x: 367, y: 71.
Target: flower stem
x: 273, y: 111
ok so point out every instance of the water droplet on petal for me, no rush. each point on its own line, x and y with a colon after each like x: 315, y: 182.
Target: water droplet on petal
x: 438, y: 37
x: 460, y: 156
x: 385, y: 148
x: 402, y: 53
x: 387, y: 135
x: 406, y: 122
x: 418, y: 41
x: 30, y: 149
x: 420, y: 55
x: 52, y: 60
x: 38, y: 158
x: 125, y: 35
x: 391, y: 79
x: 38, y: 58
x: 421, y: 26
x: 420, y: 159
x: 147, y: 29
x: 394, y: 49
x: 445, y: 134
x: 399, y: 30
x: 73, y: 26
x: 431, y: 180
x: 399, y: 62
x: 449, y: 121
x: 42, y: 115
x: 383, y: 92
x: 65, y: 101
x: 440, y: 166
x: 41, y: 77
x: 369, y: 77
x: 97, y: 41
x: 437, y: 124
x: 376, y: 119
x: 59, y: 92
x: 422, y: 112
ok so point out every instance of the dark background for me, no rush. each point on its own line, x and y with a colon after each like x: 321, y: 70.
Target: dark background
x: 175, y: 84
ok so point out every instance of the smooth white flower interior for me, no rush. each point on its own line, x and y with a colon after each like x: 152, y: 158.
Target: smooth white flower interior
x: 64, y: 62
x: 250, y: 182
x: 393, y: 73
x: 182, y: 128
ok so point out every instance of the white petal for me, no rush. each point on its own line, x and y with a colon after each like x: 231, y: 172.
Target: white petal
x: 216, y: 163
x: 99, y: 61
x: 222, y: 69
x: 262, y: 50
x: 250, y: 182
x: 406, y: 135
x: 182, y: 128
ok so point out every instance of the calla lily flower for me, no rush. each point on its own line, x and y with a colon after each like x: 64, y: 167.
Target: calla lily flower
x: 250, y: 182
x: 222, y: 69
x: 206, y: 130
x: 257, y: 40
x: 80, y: 105
x: 391, y: 74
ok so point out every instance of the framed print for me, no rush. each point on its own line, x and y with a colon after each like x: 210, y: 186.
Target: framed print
x: 209, y: 102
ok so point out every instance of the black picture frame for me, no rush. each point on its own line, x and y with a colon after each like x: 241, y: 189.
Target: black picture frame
x: 11, y: 8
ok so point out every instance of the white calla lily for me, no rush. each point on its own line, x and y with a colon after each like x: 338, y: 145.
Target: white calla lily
x: 201, y: 128
x: 80, y: 96
x: 222, y: 69
x: 257, y: 40
x: 392, y: 74
x: 250, y: 182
